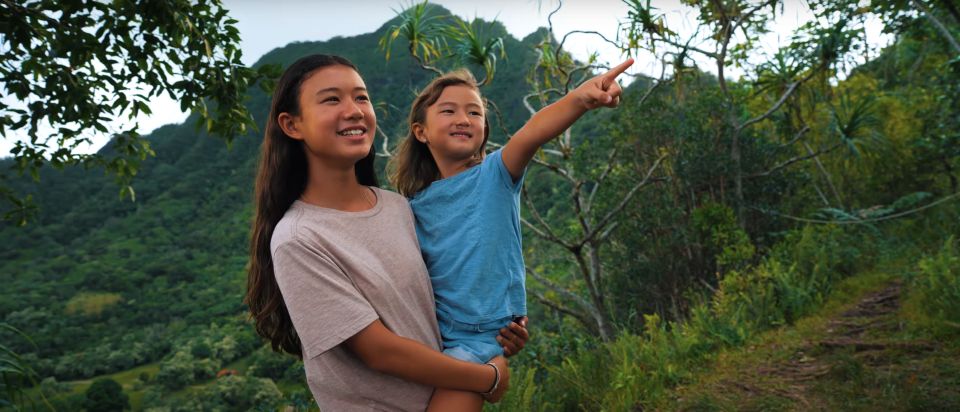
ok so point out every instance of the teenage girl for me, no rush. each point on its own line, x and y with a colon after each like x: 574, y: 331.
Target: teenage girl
x: 335, y: 275
x: 467, y: 208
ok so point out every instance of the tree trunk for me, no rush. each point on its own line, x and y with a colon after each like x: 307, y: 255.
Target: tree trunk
x: 737, y: 175
x: 598, y: 311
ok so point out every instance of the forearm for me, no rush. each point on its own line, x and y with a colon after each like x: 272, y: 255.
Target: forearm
x: 543, y: 126
x: 552, y: 120
x: 549, y: 122
x: 416, y: 362
x: 382, y: 350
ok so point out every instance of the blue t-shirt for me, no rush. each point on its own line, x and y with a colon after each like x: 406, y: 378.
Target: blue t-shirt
x: 468, y: 226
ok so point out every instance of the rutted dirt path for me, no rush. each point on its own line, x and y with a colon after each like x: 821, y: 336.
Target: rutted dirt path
x: 859, y: 359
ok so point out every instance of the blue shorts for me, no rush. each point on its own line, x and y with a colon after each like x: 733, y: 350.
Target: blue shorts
x: 470, y: 342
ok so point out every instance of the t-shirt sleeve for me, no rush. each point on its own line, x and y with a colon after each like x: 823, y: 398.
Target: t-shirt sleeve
x: 494, y: 162
x: 324, y: 304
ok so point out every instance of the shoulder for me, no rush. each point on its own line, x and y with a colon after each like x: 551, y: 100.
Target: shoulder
x: 287, y: 228
x: 390, y: 199
x: 493, y: 162
x: 395, y: 204
x: 496, y: 155
x: 496, y: 171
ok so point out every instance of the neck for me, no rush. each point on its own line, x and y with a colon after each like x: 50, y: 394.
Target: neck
x: 336, y: 187
x: 452, y: 167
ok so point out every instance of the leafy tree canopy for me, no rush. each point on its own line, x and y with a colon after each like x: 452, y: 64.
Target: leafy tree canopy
x: 70, y: 68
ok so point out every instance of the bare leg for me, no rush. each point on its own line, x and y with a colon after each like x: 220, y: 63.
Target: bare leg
x: 450, y: 400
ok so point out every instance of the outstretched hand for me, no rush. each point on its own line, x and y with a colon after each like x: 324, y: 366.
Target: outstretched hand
x: 602, y: 90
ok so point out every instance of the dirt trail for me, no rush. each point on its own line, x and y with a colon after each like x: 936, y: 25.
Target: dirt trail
x: 859, y: 359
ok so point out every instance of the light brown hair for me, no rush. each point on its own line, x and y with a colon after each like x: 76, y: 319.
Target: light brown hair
x: 413, y: 165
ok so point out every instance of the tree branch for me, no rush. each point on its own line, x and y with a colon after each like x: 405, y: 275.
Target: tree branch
x: 600, y: 179
x: 623, y: 203
x: 687, y: 46
x: 547, y: 232
x: 746, y: 17
x: 586, y: 321
x: 794, y: 160
x: 424, y: 65
x: 579, y: 208
x: 611, y: 42
x: 496, y: 110
x: 826, y: 176
x: 554, y: 168
x: 526, y: 102
x: 549, y: 284
x: 386, y: 144
x: 796, y: 137
x: 781, y: 101
x: 726, y: 33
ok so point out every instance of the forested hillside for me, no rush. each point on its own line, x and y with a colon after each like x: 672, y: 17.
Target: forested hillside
x: 699, y: 215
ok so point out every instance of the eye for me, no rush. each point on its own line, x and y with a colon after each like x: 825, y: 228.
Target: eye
x: 363, y: 98
x: 446, y: 111
x: 331, y: 99
x: 476, y: 113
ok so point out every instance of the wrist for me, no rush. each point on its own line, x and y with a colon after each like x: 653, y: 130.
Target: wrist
x: 496, y: 380
x: 573, y: 101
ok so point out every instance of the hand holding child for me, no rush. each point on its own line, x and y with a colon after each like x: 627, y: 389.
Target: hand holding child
x: 514, y: 336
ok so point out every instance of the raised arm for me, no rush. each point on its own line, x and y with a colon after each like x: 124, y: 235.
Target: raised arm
x: 552, y: 120
x: 383, y: 351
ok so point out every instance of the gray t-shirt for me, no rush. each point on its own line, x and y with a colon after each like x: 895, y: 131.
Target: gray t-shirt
x: 340, y: 271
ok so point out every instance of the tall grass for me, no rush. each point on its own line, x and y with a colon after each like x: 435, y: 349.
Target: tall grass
x: 638, y: 369
x: 933, y: 299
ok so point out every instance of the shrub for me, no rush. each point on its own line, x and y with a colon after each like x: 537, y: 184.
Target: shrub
x: 636, y: 370
x: 933, y: 301
x: 105, y: 395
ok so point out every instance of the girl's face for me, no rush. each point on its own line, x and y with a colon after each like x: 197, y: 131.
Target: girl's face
x: 336, y: 121
x: 454, y: 124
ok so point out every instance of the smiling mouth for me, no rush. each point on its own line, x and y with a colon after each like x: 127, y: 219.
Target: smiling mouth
x: 468, y: 135
x: 352, y: 131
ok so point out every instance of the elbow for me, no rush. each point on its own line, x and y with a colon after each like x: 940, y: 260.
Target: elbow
x: 377, y: 348
x: 379, y: 358
x: 379, y: 361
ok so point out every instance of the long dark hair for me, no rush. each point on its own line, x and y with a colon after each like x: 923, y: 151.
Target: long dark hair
x: 281, y: 179
x: 413, y: 165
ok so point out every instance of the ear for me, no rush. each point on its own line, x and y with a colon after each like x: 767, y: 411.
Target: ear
x: 288, y: 123
x: 418, y: 132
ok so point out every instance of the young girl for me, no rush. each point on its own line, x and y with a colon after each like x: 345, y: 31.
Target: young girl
x: 467, y: 208
x: 335, y: 275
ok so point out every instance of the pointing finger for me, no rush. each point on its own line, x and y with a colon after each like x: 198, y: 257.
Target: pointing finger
x: 611, y: 76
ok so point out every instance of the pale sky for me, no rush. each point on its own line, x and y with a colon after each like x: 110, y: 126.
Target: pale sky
x: 267, y: 25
